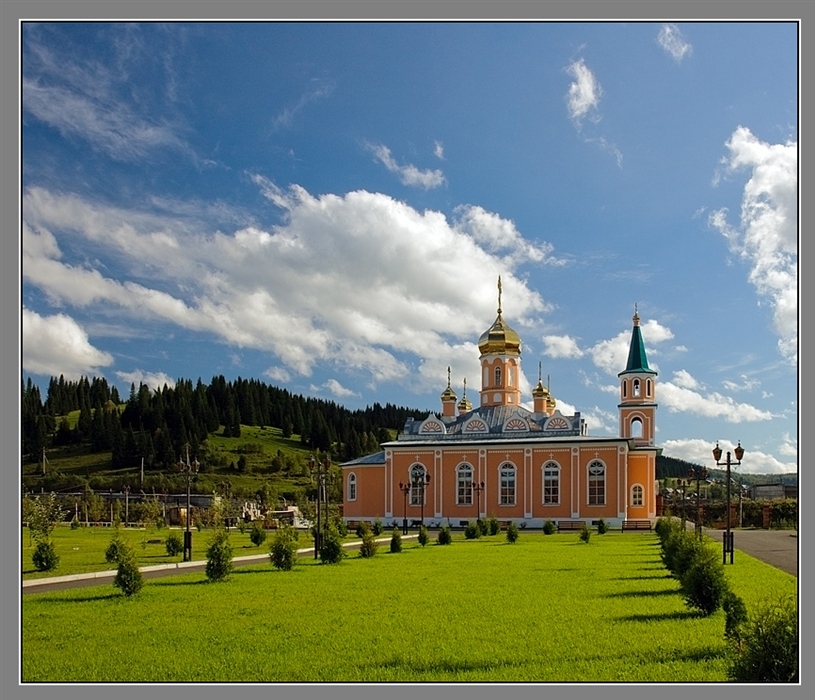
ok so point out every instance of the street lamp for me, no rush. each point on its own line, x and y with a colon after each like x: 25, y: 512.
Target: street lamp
x: 478, y: 488
x: 421, y: 481
x: 405, y: 489
x: 126, y: 489
x: 727, y: 544
x: 698, y: 474
x: 684, y: 486
x: 188, y: 470
x: 323, y: 477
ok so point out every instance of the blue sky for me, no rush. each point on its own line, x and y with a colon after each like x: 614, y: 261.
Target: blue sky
x: 327, y: 207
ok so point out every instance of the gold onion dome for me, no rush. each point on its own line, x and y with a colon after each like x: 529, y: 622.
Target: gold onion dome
x: 540, y: 390
x: 465, y: 405
x: 448, y: 394
x: 499, y: 338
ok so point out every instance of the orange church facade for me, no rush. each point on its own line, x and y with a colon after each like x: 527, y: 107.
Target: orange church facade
x: 503, y: 460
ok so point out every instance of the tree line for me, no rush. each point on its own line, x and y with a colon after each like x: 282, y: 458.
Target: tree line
x: 155, y: 424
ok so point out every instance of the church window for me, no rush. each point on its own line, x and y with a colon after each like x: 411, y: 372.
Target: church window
x: 506, y: 496
x: 625, y: 389
x: 648, y: 389
x: 497, y: 376
x: 636, y: 495
x: 551, y: 483
x: 636, y: 428
x: 636, y: 387
x: 597, y: 483
x: 509, y: 376
x: 352, y: 487
x: 418, y: 485
x: 464, y: 485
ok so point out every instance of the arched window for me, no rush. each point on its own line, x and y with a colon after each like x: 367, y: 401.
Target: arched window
x: 464, y: 485
x: 418, y: 485
x: 636, y: 428
x: 648, y: 388
x: 625, y: 388
x: 506, y: 495
x: 636, y: 495
x: 497, y: 376
x: 636, y: 387
x: 486, y: 380
x: 509, y: 375
x: 597, y: 483
x: 352, y: 487
x: 551, y: 483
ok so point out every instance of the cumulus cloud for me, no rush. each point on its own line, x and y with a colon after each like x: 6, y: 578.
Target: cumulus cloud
x: 155, y: 380
x: 766, y: 237
x: 54, y: 345
x: 561, y: 346
x: 678, y: 398
x: 698, y: 451
x: 384, y: 298
x: 611, y: 355
x: 583, y: 97
x: 335, y: 389
x: 438, y: 150
x: 746, y: 384
x: 408, y: 174
x: 670, y: 38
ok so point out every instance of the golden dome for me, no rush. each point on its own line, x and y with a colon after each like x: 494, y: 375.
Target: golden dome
x: 540, y: 390
x: 499, y: 338
x: 448, y: 394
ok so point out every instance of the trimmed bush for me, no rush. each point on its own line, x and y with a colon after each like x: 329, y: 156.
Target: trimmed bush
x: 679, y: 549
x: 549, y: 528
x: 113, y: 554
x: 258, y: 534
x: 495, y: 526
x: 602, y: 527
x: 219, y: 557
x: 585, y: 534
x: 423, y: 538
x: 283, y: 551
x: 512, y: 532
x: 129, y: 579
x: 735, y: 616
x: 174, y: 544
x: 331, y: 550
x: 482, y: 526
x: 704, y: 583
x: 445, y: 536
x: 378, y: 528
x: 396, y: 541
x: 74, y: 523
x: 369, y: 545
x: 363, y: 528
x: 769, y: 645
x: 472, y: 531
x: 45, y: 557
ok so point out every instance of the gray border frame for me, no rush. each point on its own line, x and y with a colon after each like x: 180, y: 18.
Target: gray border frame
x: 11, y: 11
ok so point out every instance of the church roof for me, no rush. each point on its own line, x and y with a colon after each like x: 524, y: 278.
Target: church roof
x: 637, y: 360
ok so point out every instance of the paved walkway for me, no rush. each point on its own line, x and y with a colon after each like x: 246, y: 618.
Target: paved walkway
x: 776, y: 547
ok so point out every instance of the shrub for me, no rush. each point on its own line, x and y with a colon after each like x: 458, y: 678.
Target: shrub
x: 283, y: 551
x: 331, y: 550
x: 769, y: 645
x: 396, y: 541
x: 363, y: 528
x: 704, y: 583
x: 482, y: 526
x: 113, y: 554
x: 549, y: 528
x: 472, y: 531
x: 585, y: 534
x: 423, y: 536
x: 342, y: 527
x: 735, y: 616
x: 369, y: 545
x: 128, y: 577
x: 495, y: 526
x: 74, y: 523
x: 378, y: 527
x: 602, y: 527
x: 512, y: 532
x: 445, y: 536
x: 258, y: 534
x: 45, y: 557
x: 663, y: 527
x: 679, y: 551
x: 219, y: 557
x: 174, y: 544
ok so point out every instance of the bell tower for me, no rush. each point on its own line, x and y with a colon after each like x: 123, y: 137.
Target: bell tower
x: 500, y: 348
x: 637, y: 405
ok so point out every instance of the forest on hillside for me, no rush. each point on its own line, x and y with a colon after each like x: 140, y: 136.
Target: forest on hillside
x: 155, y: 425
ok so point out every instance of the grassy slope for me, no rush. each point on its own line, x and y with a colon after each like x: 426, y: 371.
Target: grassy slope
x: 602, y: 612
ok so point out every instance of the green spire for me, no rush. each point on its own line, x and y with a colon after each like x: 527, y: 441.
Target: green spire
x: 637, y: 360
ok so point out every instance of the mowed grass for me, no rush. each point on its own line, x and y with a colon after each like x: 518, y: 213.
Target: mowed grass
x: 82, y: 550
x: 545, y: 609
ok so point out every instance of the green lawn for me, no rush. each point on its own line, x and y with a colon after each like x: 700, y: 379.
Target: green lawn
x: 546, y: 609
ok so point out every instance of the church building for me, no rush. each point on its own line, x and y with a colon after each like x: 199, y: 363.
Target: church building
x: 506, y: 461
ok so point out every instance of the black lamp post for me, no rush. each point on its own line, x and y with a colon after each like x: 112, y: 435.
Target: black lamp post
x: 478, y: 488
x: 421, y: 481
x: 698, y: 474
x: 405, y: 489
x: 684, y: 486
x: 188, y: 470
x: 323, y: 478
x: 727, y: 544
x: 127, y: 505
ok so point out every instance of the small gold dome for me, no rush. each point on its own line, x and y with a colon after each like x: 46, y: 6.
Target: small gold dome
x: 540, y: 390
x: 499, y: 338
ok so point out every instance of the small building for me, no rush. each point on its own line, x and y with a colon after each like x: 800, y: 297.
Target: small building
x: 503, y: 460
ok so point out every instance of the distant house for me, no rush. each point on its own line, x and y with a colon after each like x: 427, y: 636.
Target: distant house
x: 772, y: 491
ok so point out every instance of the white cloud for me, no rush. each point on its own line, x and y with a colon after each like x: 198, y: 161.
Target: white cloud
x: 789, y: 446
x: 559, y: 346
x: 286, y: 116
x: 278, y: 374
x: 584, y: 93
x: 155, y: 380
x: 684, y: 380
x: 767, y: 235
x: 438, y: 150
x: 678, y: 398
x: 746, y: 384
x: 699, y: 451
x: 408, y: 174
x: 54, y: 345
x: 670, y: 38
x: 612, y: 355
x: 338, y: 389
x: 384, y: 297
